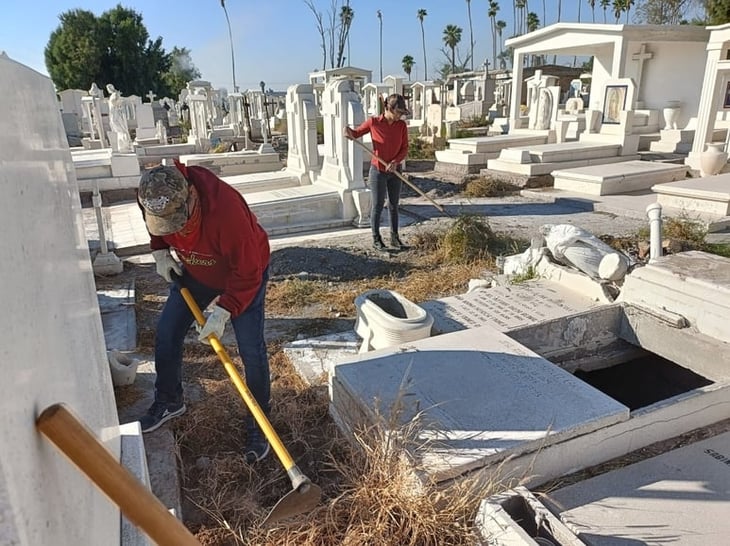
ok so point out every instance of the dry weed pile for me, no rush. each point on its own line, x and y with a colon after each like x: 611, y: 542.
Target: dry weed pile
x: 486, y: 186
x: 371, y: 494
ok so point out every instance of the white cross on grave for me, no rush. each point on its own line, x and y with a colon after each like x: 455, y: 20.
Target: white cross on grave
x: 640, y: 57
x: 150, y: 95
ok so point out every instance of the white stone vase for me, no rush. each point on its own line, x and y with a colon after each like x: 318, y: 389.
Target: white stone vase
x: 713, y: 159
x: 671, y: 114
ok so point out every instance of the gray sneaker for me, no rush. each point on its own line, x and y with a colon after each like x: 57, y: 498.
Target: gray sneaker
x: 159, y: 413
x: 257, y: 447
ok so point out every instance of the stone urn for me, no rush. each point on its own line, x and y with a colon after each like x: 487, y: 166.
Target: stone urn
x: 713, y: 159
x: 671, y: 114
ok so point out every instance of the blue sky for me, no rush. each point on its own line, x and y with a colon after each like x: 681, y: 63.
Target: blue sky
x: 277, y: 40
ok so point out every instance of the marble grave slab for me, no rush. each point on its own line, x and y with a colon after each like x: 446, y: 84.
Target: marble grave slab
x: 679, y: 497
x: 483, y: 397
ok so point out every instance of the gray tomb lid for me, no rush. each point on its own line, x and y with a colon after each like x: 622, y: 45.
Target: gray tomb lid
x: 506, y: 308
x: 485, y: 396
x: 679, y: 497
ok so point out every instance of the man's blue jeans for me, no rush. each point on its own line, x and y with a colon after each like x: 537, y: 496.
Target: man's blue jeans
x: 176, y: 319
x: 381, y: 183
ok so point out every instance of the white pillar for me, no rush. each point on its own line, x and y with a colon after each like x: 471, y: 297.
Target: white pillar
x: 654, y: 212
x: 514, y: 105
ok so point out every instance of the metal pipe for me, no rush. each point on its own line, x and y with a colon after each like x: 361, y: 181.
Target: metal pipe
x: 654, y: 212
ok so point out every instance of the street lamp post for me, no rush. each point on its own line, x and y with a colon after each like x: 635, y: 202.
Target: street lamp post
x: 380, y: 19
x: 230, y: 37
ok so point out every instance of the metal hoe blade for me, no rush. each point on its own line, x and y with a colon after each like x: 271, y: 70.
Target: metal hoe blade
x: 297, y: 501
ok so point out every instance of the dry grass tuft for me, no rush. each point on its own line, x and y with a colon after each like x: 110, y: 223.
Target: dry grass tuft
x: 486, y: 186
x: 378, y: 499
x: 467, y: 239
x: 293, y: 293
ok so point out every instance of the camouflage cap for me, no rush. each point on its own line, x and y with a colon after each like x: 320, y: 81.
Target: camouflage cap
x: 163, y: 193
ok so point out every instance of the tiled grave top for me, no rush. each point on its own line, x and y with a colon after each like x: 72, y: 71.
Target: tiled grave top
x: 680, y: 497
x: 613, y: 171
x: 715, y: 188
x: 506, y: 307
x: 484, y: 397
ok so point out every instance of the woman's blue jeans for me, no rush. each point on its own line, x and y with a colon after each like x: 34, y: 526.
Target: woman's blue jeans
x: 176, y: 319
x: 381, y: 184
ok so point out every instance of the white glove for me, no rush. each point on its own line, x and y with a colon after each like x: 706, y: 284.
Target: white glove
x: 166, y: 264
x: 215, y: 324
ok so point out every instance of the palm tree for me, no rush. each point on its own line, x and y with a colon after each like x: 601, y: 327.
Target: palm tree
x: 501, y: 25
x: 230, y: 37
x: 604, y: 5
x: 421, y: 16
x: 471, y: 35
x: 346, y: 16
x: 592, y: 4
x: 492, y: 14
x: 520, y: 5
x: 627, y: 8
x: 408, y: 63
x: 618, y: 8
x: 533, y: 23
x: 452, y: 37
x: 380, y: 18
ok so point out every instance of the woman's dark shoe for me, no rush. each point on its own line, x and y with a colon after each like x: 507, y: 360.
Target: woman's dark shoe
x: 378, y: 243
x: 395, y: 242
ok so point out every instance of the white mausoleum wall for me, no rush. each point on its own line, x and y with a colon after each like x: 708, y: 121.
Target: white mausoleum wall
x: 51, y: 340
x: 675, y: 72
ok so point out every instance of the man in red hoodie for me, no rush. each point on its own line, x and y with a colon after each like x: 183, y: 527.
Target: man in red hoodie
x: 225, y: 255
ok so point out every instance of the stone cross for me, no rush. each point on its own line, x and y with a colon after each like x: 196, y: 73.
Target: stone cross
x: 150, y: 95
x: 641, y: 56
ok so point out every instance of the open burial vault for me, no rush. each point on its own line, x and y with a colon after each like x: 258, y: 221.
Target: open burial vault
x: 545, y: 399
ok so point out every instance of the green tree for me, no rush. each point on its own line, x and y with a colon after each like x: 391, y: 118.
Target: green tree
x: 452, y: 37
x: 408, y: 63
x: 131, y: 61
x: 113, y: 48
x: 663, y: 12
x: 592, y: 4
x: 182, y: 70
x: 422, y: 13
x: 718, y: 11
x: 74, y: 51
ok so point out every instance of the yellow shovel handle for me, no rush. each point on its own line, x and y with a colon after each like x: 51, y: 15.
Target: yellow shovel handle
x: 243, y: 390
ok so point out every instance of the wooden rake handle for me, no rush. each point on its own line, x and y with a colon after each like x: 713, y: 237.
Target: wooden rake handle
x: 71, y: 436
x: 399, y: 175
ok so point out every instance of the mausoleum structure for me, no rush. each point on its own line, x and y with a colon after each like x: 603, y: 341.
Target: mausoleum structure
x: 664, y: 61
x: 714, y: 108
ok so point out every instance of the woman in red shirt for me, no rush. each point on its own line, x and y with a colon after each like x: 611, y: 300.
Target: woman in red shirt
x: 390, y: 143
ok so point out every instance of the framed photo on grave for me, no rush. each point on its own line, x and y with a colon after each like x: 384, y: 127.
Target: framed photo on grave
x: 613, y: 103
x: 726, y: 101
